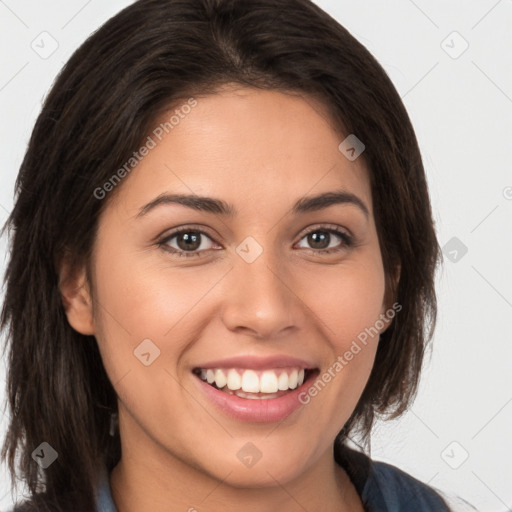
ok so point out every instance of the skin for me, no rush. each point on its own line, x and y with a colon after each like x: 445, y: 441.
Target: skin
x: 260, y: 151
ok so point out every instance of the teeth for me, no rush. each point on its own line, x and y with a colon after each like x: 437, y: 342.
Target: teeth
x: 268, y: 382
x: 282, y: 382
x: 250, y: 381
x: 234, y: 380
x: 220, y: 379
x: 293, y: 379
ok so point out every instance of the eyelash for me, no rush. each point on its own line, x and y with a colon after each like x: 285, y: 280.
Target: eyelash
x: 348, y: 241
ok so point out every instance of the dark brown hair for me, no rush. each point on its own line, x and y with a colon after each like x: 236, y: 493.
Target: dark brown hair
x: 100, y: 109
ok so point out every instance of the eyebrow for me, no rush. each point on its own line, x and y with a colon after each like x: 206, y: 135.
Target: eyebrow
x: 220, y: 207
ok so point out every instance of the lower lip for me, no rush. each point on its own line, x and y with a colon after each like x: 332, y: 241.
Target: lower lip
x: 264, y: 410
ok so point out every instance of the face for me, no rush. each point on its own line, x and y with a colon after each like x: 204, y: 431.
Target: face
x: 267, y: 291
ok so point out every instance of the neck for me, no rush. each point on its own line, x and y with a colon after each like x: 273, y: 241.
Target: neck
x: 143, y: 487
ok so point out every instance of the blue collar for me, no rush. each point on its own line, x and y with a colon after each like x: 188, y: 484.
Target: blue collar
x: 104, y: 501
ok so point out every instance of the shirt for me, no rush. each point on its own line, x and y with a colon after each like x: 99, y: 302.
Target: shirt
x: 381, y: 486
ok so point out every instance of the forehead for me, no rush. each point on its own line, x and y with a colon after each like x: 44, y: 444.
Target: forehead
x: 254, y: 148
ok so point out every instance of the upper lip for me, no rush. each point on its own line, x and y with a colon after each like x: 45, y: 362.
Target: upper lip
x: 259, y: 363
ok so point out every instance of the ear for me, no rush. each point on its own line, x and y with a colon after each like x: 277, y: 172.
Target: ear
x: 76, y: 297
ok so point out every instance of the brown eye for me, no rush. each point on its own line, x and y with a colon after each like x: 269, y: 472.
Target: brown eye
x: 189, y: 241
x: 327, y: 240
x: 319, y: 239
x: 186, y: 242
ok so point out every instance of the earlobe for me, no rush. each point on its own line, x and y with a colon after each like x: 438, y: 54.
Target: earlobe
x: 76, y: 298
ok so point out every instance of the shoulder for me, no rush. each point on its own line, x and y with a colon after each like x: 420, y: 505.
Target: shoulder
x: 401, y: 491
x: 386, y: 488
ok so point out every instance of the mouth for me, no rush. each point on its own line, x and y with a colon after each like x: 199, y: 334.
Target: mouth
x: 252, y: 384
x: 256, y: 389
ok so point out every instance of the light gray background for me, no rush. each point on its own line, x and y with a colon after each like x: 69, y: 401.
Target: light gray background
x: 461, y: 106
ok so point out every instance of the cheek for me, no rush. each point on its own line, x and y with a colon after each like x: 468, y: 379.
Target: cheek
x: 140, y: 301
x: 146, y: 299
x: 349, y: 309
x: 348, y: 299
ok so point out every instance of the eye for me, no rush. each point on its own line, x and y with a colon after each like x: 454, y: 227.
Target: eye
x: 321, y: 240
x: 189, y: 242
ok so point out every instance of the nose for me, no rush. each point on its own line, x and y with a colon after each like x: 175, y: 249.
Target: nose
x: 260, y: 300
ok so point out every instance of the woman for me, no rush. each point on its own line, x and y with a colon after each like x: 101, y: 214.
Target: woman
x: 222, y: 268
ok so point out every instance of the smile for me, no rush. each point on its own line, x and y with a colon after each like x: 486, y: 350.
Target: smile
x: 255, y: 395
x: 253, y: 384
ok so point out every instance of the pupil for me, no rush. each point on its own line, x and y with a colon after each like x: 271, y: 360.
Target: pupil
x: 191, y: 241
x: 318, y: 240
